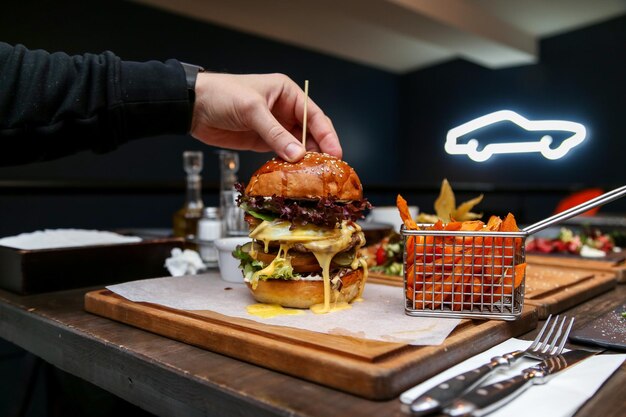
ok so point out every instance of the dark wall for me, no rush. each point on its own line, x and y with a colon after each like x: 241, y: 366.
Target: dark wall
x: 361, y: 101
x: 392, y: 127
x: 580, y: 77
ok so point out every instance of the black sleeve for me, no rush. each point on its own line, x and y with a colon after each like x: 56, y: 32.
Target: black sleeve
x: 53, y: 104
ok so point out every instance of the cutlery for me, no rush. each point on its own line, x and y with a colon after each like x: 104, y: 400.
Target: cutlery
x: 484, y: 400
x: 542, y: 347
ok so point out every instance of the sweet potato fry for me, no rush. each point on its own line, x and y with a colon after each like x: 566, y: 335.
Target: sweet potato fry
x: 405, y: 214
x: 494, y: 223
x: 472, y: 225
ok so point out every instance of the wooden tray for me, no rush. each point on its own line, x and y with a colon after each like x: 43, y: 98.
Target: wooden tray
x: 551, y: 289
x: 34, y: 271
x: 378, y: 278
x: 555, y: 289
x: 371, y: 369
x: 613, y: 264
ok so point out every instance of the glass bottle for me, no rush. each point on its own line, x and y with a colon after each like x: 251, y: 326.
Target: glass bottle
x: 209, y: 230
x: 233, y: 223
x: 186, y: 219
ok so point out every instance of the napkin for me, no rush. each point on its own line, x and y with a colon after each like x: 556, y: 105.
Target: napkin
x: 380, y: 316
x: 184, y: 262
x: 65, y: 238
x: 562, y: 396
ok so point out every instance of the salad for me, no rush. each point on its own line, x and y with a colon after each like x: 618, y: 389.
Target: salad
x: 590, y: 243
x: 386, y: 256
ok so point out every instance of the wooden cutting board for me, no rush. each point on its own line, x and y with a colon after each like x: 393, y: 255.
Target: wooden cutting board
x: 371, y: 369
x: 551, y: 289
x: 614, y: 264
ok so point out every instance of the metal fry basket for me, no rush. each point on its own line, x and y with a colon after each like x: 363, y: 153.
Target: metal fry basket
x: 464, y: 274
x: 473, y: 274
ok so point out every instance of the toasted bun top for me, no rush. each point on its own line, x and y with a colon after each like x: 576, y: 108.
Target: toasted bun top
x: 315, y: 176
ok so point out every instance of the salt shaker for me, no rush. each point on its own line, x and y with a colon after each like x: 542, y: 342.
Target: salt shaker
x: 209, y: 229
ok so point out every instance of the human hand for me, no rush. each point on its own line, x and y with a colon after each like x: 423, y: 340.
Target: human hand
x: 260, y: 113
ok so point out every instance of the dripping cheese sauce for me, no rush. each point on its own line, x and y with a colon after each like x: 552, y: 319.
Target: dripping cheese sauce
x: 323, y: 243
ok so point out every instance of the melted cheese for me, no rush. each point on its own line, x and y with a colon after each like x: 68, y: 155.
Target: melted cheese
x: 267, y: 311
x: 324, y: 243
x: 280, y: 230
x: 365, y: 275
x: 321, y: 308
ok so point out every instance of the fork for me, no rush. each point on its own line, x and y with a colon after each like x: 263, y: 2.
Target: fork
x: 543, y: 347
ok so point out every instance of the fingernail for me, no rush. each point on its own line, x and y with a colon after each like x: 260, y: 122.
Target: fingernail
x: 294, y: 151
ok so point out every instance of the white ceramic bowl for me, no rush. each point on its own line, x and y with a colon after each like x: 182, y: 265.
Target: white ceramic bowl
x: 389, y: 215
x: 229, y: 265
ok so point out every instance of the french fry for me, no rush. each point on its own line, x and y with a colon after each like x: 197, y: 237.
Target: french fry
x: 405, y: 214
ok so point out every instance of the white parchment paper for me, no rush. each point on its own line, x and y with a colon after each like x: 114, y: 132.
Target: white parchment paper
x: 380, y: 316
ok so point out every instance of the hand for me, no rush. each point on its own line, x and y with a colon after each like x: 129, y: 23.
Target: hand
x: 260, y: 113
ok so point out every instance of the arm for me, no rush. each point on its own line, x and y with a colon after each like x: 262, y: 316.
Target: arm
x: 53, y: 105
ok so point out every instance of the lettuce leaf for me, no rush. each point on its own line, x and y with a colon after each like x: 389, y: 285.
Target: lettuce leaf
x: 249, y: 266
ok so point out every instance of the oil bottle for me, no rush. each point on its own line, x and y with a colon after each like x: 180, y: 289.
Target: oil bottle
x: 186, y: 219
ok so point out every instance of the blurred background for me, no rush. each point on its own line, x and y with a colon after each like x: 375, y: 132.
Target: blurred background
x: 394, y: 76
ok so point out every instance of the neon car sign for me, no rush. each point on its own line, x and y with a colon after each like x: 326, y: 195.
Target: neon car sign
x: 471, y: 147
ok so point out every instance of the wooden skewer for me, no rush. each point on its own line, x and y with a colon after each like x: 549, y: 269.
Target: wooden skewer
x: 306, y: 99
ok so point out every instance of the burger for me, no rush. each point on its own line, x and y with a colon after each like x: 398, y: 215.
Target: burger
x: 304, y: 251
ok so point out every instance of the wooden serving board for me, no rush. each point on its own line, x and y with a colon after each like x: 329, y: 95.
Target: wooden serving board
x: 555, y: 289
x: 378, y: 278
x: 551, y: 289
x: 613, y: 264
x: 371, y: 369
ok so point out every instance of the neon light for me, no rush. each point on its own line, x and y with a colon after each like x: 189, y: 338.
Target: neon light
x: 542, y: 145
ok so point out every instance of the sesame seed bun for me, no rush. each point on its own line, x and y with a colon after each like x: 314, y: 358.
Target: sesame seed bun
x: 316, y: 176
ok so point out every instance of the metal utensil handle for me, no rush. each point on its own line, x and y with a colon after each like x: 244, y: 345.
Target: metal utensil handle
x: 484, y: 400
x: 581, y: 208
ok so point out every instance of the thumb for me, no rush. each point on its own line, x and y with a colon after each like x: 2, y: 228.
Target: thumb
x: 276, y: 136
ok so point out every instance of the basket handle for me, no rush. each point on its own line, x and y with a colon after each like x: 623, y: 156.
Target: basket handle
x: 581, y: 208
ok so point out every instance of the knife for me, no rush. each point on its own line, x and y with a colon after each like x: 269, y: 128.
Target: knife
x: 442, y: 395
x: 484, y: 400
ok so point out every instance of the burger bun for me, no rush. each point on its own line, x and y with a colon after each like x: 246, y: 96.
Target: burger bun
x: 305, y: 293
x: 316, y: 176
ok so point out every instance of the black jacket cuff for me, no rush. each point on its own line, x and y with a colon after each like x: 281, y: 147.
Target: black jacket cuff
x: 153, y: 99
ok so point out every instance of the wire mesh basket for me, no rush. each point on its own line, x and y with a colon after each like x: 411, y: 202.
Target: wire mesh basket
x: 464, y: 274
x: 473, y: 274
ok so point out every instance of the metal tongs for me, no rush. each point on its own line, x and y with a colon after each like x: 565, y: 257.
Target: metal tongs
x: 581, y: 208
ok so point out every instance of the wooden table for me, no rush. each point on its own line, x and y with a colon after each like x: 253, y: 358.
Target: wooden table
x: 170, y: 378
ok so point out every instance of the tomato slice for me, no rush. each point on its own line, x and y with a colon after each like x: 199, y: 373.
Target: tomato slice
x: 381, y: 257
